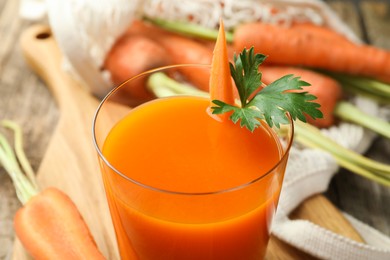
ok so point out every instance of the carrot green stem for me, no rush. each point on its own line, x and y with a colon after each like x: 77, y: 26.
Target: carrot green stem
x: 349, y: 112
x: 363, y: 93
x: 189, y: 29
x: 345, y: 163
x: 19, y: 150
x: 305, y: 134
x: 162, y: 86
x: 9, y: 159
x: 367, y: 85
x: 321, y: 141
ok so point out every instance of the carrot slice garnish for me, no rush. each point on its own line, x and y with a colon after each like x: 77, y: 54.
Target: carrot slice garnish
x: 221, y: 86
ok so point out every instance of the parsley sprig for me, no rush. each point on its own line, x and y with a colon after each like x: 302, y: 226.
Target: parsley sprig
x: 270, y: 103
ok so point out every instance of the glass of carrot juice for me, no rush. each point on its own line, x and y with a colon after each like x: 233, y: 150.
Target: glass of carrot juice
x: 180, y: 183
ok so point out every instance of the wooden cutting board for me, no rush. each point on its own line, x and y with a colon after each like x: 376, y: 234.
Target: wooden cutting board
x: 70, y: 162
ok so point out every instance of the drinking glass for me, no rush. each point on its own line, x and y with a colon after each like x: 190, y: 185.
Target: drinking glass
x: 165, y: 222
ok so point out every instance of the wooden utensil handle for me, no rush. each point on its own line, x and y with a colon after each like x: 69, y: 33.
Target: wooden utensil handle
x: 44, y: 57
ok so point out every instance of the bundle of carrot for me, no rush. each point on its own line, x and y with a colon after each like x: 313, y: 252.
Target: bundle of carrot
x: 49, y: 224
x: 361, y: 69
x: 184, y: 50
x: 301, y: 44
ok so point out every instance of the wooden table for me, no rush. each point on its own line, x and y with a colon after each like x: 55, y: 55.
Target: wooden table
x: 25, y: 99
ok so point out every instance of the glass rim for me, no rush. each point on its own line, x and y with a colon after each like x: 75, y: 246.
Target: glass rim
x: 166, y: 191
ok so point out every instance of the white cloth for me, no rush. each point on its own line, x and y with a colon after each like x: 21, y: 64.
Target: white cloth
x: 308, y: 173
x: 86, y: 30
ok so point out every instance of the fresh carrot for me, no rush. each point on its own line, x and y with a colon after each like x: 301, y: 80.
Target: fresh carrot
x: 221, y: 86
x: 180, y: 49
x: 140, y: 27
x: 311, y: 48
x: 184, y: 50
x: 51, y: 227
x: 132, y: 55
x: 327, y: 90
x: 49, y: 224
x: 321, y: 32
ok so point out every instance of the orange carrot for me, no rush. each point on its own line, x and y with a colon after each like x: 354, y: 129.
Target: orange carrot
x: 313, y: 48
x: 144, y: 46
x: 221, y: 86
x: 321, y: 32
x: 184, y: 50
x: 139, y: 27
x: 132, y: 55
x: 48, y: 225
x: 180, y: 49
x: 327, y: 90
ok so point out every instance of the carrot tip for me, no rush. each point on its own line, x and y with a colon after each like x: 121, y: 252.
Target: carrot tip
x: 221, y: 86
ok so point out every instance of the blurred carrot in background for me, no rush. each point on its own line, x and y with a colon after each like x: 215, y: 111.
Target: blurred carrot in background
x: 132, y: 55
x: 327, y: 90
x: 313, y: 46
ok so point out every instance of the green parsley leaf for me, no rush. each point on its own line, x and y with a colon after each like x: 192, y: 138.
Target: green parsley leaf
x: 270, y: 103
x: 246, y: 74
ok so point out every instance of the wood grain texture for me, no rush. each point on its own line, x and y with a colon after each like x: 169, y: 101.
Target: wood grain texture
x: 346, y: 10
x: 377, y: 26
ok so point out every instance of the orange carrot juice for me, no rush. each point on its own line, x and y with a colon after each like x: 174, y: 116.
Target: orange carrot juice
x: 182, y: 185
